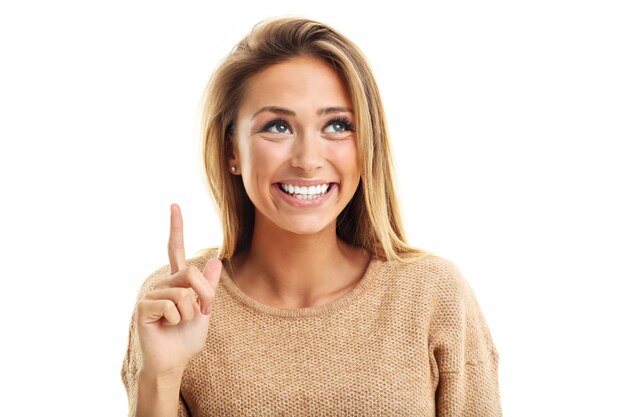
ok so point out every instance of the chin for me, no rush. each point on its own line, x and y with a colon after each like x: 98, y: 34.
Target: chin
x: 306, y: 227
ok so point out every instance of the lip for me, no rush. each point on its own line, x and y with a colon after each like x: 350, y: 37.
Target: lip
x: 293, y: 201
x: 305, y: 183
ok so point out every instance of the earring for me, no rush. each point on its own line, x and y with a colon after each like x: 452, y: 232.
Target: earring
x: 233, y: 169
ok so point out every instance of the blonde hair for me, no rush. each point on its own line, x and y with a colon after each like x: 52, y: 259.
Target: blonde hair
x: 372, y: 219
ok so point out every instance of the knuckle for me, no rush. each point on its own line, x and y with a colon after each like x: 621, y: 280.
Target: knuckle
x: 187, y: 317
x: 192, y: 271
x: 191, y: 293
x: 169, y: 307
x: 183, y: 295
x: 191, y: 275
x: 183, y: 273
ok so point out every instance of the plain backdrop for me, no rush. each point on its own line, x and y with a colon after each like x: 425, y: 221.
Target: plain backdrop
x: 507, y: 122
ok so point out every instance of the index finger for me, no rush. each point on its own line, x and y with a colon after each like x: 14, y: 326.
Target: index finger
x: 176, y: 245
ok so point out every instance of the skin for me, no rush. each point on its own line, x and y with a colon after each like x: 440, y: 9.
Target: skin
x: 172, y: 324
x: 310, y: 145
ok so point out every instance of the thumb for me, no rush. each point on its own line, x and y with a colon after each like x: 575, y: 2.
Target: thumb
x: 212, y: 271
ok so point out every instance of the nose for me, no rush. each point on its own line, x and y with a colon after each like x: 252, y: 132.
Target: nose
x: 308, y: 152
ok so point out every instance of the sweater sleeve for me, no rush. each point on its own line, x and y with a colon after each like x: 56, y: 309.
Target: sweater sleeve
x: 133, y: 360
x: 466, y: 360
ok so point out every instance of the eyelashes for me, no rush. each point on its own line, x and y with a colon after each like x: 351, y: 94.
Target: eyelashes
x: 341, y: 121
x: 275, y: 123
x: 281, y: 126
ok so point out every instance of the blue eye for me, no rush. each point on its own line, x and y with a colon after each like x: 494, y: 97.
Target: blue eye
x: 339, y: 125
x: 276, y: 126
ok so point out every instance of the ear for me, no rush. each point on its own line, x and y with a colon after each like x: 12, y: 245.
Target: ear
x: 232, y: 157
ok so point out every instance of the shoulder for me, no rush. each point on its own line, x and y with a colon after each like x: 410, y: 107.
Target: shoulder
x: 429, y: 273
x: 440, y: 287
x: 458, y: 332
x: 442, y: 279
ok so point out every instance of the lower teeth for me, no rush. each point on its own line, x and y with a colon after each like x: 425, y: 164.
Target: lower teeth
x: 306, y: 196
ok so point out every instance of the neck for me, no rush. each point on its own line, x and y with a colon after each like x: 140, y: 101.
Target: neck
x: 293, y: 271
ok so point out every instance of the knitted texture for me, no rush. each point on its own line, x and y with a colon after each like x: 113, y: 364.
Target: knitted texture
x: 408, y: 340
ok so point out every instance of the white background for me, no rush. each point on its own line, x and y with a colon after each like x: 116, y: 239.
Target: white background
x: 508, y: 125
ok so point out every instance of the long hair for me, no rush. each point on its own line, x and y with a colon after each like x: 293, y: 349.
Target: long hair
x: 372, y: 219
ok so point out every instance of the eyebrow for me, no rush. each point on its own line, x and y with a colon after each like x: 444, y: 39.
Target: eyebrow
x: 320, y: 112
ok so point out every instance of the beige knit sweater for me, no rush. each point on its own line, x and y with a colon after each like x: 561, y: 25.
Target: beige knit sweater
x: 409, y: 340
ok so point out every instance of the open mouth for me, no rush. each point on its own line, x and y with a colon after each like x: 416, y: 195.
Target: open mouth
x: 311, y: 192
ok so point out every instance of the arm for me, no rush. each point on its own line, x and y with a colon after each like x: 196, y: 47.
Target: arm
x: 158, y: 395
x: 466, y: 360
x: 149, y: 394
x: 133, y: 362
x: 471, y: 391
x: 168, y: 328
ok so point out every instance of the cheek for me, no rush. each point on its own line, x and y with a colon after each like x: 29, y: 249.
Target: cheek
x: 263, y: 157
x: 345, y: 158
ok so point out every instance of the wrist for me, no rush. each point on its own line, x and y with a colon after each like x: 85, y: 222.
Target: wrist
x: 157, y: 393
x: 161, y: 380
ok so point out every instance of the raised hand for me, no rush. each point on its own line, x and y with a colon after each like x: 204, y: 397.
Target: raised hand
x: 173, y: 318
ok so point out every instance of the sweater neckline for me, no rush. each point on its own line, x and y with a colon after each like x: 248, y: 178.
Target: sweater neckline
x: 242, y: 298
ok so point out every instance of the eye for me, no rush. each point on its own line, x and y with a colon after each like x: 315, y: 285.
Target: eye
x: 337, y: 126
x: 276, y: 126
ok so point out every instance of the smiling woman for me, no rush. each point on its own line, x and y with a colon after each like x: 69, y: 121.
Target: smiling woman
x: 293, y: 129
x: 317, y: 304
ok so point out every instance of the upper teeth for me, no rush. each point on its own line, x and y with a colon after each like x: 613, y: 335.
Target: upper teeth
x: 311, y: 190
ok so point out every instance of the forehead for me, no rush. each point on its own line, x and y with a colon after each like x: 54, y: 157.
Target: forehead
x: 299, y: 83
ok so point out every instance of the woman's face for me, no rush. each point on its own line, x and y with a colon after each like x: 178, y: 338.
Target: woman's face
x: 295, y: 145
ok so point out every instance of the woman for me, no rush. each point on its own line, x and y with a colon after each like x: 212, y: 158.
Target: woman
x: 315, y: 304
